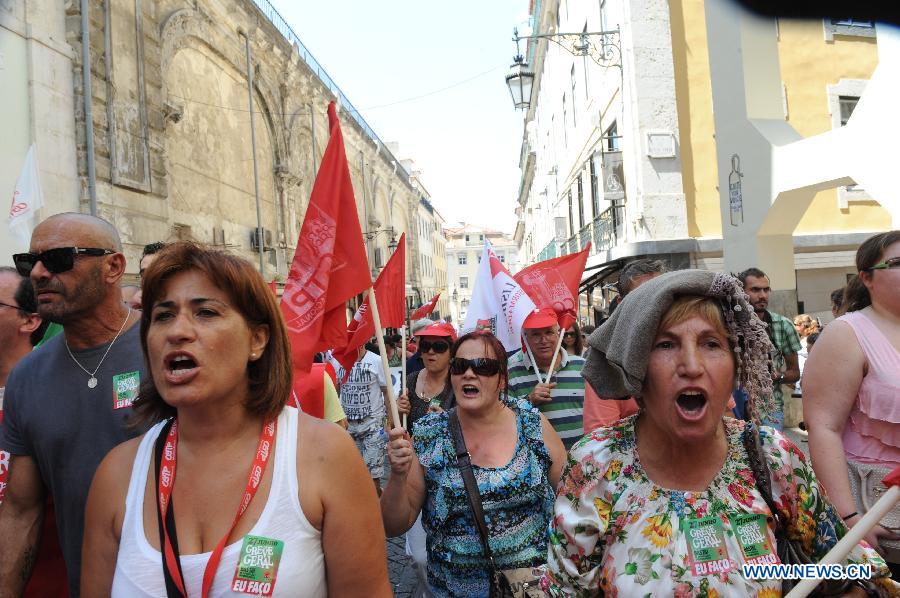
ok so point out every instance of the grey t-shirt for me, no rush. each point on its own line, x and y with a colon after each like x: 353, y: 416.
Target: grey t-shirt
x: 51, y: 415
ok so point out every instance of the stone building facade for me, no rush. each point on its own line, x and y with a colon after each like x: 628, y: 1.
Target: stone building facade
x: 172, y: 132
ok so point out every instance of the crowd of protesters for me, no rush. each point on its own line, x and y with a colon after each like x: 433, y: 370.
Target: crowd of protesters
x: 151, y: 442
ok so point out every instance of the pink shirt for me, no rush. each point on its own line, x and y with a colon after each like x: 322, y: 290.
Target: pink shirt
x: 604, y: 412
x: 872, y: 434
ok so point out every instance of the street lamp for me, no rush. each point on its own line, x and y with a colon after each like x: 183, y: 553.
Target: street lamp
x: 520, y: 81
x: 603, y: 47
x: 369, y: 235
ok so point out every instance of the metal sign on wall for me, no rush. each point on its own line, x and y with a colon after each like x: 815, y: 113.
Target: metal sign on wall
x: 735, y: 194
x: 612, y: 172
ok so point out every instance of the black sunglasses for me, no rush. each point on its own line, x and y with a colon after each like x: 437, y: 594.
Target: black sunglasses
x: 570, y: 335
x: 57, y: 260
x: 436, y: 346
x: 482, y: 366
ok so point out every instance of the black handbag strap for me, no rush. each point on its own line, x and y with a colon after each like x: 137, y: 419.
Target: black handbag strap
x: 763, y: 475
x: 464, y: 461
x: 172, y: 590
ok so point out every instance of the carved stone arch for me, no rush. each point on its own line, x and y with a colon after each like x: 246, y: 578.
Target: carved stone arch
x: 188, y: 28
x: 209, y: 162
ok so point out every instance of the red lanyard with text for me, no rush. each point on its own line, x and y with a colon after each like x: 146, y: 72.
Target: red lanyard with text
x: 167, y: 482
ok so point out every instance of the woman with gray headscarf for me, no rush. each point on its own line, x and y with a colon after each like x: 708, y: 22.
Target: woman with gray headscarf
x: 665, y: 502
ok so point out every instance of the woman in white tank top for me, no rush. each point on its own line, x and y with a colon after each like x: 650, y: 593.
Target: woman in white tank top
x: 204, y: 486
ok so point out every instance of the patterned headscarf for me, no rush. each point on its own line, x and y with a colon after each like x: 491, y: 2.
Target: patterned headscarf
x: 616, y: 362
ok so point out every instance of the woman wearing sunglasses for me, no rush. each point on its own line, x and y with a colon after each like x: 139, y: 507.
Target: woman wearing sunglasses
x: 429, y: 389
x: 516, y: 459
x: 851, y: 386
x: 573, y: 342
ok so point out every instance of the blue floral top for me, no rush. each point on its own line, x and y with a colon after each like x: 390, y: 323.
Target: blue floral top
x: 517, y: 500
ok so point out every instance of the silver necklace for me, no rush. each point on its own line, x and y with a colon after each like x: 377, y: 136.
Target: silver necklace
x: 92, y: 381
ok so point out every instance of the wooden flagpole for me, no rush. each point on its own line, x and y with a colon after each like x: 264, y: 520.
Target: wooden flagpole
x: 562, y: 333
x: 534, y: 364
x: 379, y: 336
x: 403, y: 365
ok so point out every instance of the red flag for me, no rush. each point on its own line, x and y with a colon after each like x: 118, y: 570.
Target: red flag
x: 274, y: 286
x: 554, y: 283
x: 390, y: 291
x: 330, y: 264
x: 425, y: 309
x: 309, y: 389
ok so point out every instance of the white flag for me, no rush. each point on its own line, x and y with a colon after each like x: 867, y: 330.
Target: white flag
x: 498, y: 302
x: 26, y: 200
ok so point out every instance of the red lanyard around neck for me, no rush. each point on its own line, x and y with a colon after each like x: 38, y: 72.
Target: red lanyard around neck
x: 167, y: 483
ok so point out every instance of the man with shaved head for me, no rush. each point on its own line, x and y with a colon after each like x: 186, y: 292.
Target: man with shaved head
x: 68, y: 403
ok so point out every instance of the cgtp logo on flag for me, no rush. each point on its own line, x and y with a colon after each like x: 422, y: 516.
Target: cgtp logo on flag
x: 309, y: 295
x: 552, y: 288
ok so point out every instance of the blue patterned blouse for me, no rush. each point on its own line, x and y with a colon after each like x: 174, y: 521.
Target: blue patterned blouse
x: 517, y: 500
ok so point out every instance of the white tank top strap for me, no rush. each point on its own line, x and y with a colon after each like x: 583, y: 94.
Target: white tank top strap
x: 301, y: 571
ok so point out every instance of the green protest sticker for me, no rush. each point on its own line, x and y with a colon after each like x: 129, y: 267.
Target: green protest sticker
x: 257, y: 566
x: 752, y: 533
x: 125, y: 389
x: 706, y: 546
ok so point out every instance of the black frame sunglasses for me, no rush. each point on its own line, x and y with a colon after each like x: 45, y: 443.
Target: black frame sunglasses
x: 482, y: 366
x: 56, y: 260
x: 436, y: 346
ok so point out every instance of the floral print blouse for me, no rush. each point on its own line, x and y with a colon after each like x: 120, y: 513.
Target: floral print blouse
x: 614, y: 531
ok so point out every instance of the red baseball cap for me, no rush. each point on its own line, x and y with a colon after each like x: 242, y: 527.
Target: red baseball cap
x: 438, y: 329
x: 541, y: 318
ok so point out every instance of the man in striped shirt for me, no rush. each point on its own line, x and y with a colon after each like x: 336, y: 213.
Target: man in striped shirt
x: 561, y: 398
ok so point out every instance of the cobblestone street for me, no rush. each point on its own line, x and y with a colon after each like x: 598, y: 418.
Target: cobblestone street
x: 401, y: 569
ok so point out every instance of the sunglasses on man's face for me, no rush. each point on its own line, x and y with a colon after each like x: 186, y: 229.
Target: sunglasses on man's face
x: 482, y: 366
x: 890, y: 264
x: 436, y: 346
x: 57, y: 260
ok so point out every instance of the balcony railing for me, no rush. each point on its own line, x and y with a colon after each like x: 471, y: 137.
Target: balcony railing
x: 604, y: 232
x: 552, y: 250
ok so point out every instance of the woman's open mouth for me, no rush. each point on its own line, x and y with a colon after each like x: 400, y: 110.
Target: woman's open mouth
x: 180, y: 369
x: 691, y: 404
x: 469, y: 390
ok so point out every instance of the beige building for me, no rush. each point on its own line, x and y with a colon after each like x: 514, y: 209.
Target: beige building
x: 428, y: 277
x: 171, y: 126
x: 464, y: 248
x: 672, y: 144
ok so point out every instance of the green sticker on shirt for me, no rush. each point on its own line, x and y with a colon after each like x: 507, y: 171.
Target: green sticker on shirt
x: 257, y: 566
x: 706, y: 546
x: 752, y: 533
x: 125, y: 389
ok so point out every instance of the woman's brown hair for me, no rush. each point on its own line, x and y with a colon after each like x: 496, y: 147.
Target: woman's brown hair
x: 578, y: 349
x: 269, y: 377
x: 856, y: 295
